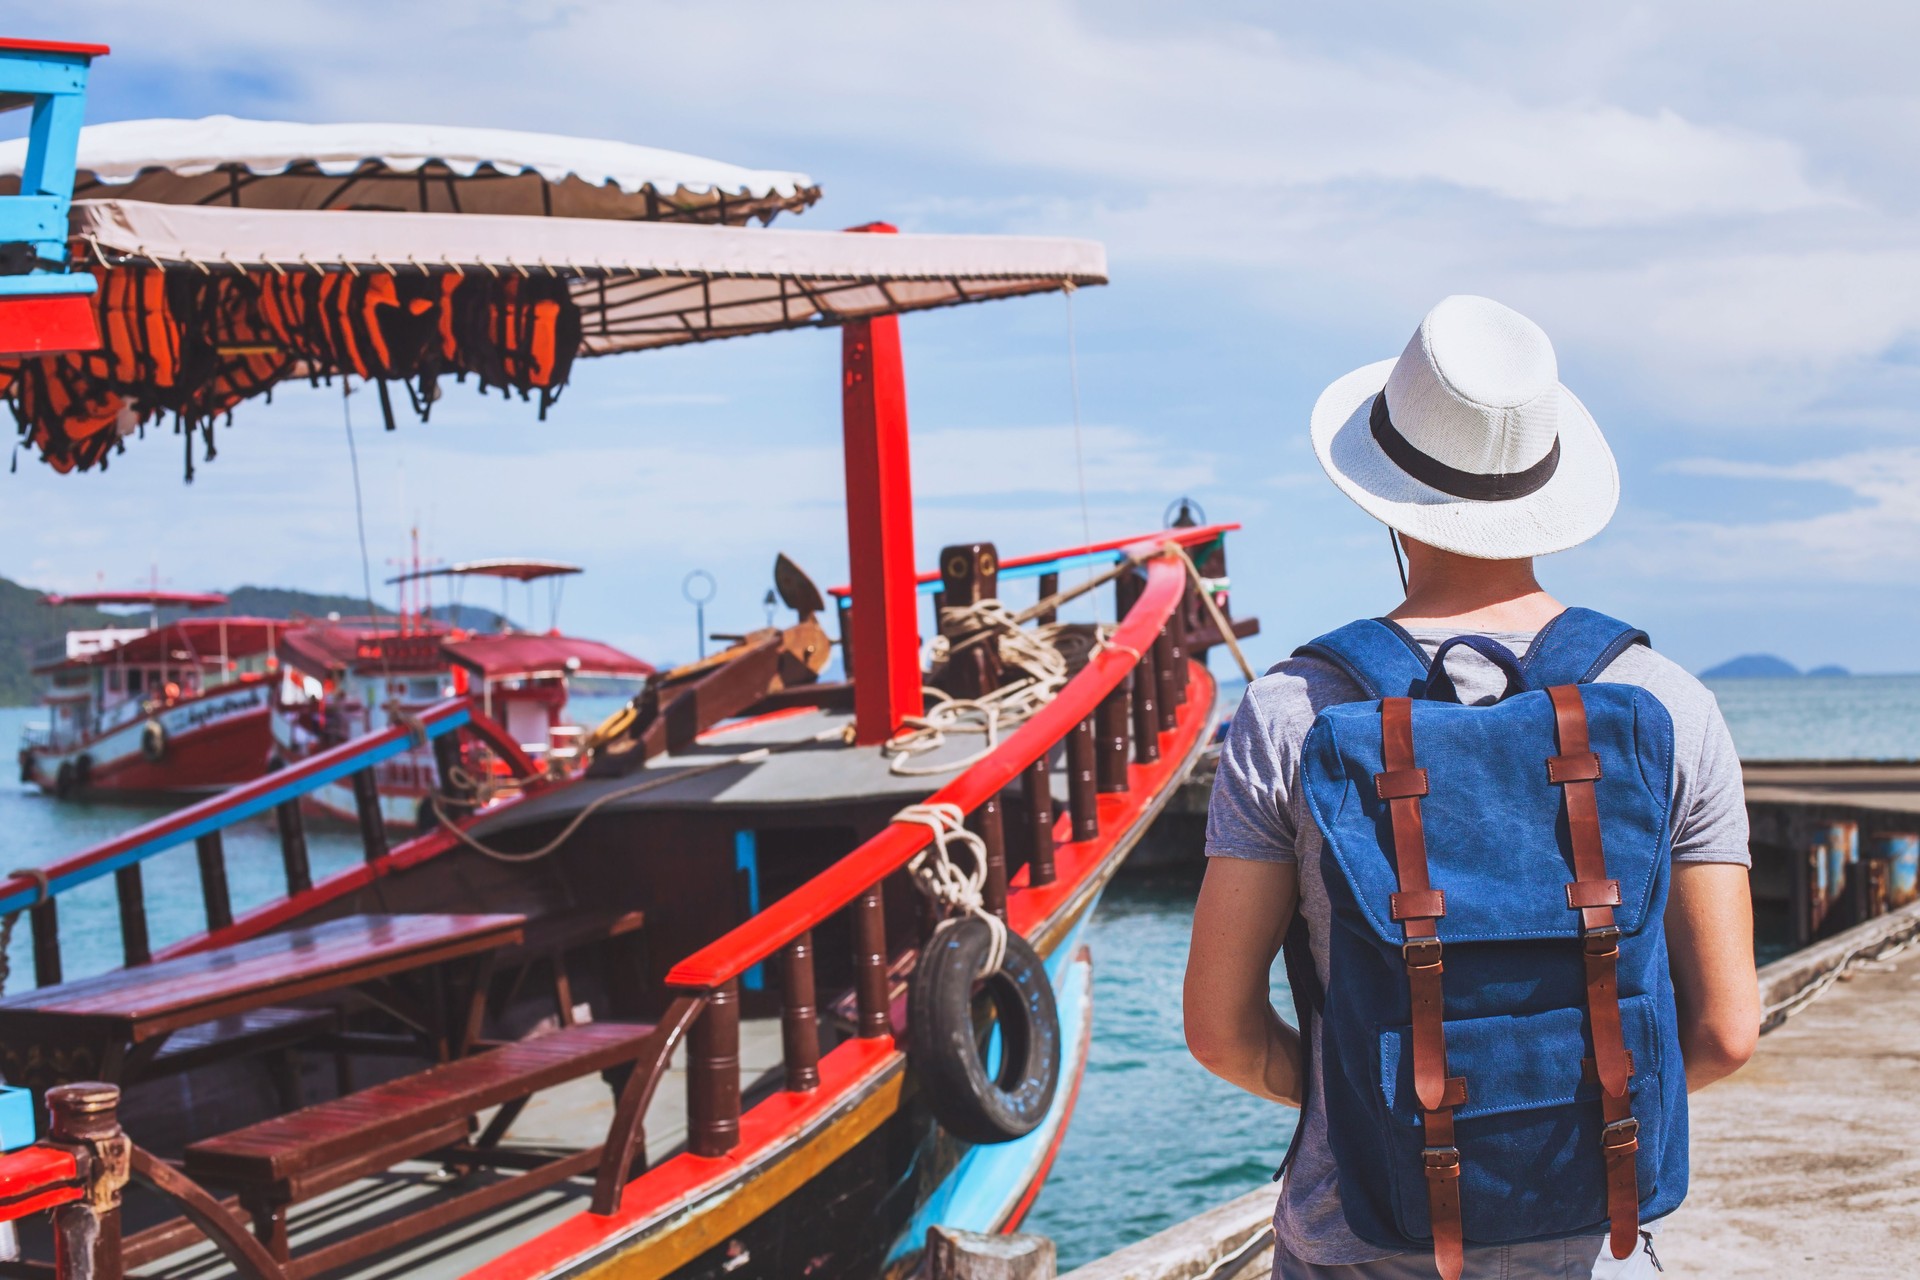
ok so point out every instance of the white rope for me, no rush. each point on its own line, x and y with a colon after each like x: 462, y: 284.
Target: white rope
x: 934, y: 871
x: 1032, y: 651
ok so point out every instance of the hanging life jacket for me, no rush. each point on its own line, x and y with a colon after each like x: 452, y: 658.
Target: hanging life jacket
x: 1500, y: 1051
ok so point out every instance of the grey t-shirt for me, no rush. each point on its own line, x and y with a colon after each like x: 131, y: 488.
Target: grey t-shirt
x: 1257, y: 812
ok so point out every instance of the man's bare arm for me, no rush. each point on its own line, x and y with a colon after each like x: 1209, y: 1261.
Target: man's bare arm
x: 1710, y: 949
x: 1238, y: 926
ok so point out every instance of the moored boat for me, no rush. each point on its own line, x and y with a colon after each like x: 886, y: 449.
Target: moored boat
x: 821, y: 939
x: 180, y: 708
x: 348, y: 677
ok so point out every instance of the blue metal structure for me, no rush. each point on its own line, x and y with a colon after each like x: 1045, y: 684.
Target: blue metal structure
x: 43, y: 305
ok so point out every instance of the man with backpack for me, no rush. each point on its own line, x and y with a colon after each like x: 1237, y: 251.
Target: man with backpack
x: 1504, y: 844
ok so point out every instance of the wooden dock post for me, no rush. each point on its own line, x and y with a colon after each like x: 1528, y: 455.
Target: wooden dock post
x: 969, y: 1255
x: 86, y: 1233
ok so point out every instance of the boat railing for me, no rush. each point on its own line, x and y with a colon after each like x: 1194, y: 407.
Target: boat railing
x: 1112, y: 717
x: 278, y: 792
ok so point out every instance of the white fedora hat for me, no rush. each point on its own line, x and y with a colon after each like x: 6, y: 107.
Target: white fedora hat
x: 1468, y: 442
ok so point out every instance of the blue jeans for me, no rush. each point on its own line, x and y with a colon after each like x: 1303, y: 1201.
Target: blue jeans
x: 1584, y: 1259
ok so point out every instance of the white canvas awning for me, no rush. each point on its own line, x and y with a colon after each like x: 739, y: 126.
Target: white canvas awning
x: 273, y: 164
x: 638, y: 284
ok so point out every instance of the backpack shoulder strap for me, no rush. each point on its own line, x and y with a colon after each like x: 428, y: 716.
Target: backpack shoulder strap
x: 1377, y: 654
x: 1576, y: 647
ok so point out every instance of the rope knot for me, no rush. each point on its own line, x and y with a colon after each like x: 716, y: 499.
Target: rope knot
x: 937, y: 876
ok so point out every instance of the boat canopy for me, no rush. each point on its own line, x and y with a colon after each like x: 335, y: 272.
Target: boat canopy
x: 518, y: 570
x: 518, y: 656
x: 143, y: 599
x: 274, y: 164
x: 637, y: 285
x: 189, y: 640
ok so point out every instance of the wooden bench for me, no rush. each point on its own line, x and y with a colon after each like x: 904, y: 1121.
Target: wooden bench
x: 295, y: 1157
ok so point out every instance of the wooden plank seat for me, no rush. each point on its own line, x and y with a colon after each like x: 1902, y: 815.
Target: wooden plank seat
x: 290, y: 1158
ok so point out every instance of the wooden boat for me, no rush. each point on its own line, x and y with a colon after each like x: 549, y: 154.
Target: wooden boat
x: 749, y: 914
x: 347, y: 678
x: 160, y: 710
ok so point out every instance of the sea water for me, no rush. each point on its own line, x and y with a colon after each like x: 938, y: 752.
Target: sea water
x: 1154, y: 1139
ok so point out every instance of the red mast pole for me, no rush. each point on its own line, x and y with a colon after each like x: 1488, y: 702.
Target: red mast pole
x: 886, y: 639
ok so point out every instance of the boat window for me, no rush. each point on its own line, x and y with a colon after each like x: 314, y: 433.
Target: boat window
x: 133, y: 679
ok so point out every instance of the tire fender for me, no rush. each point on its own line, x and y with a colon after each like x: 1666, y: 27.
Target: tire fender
x: 947, y: 1051
x: 153, y: 741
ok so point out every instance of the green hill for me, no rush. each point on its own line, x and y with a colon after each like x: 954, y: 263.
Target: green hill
x: 27, y: 625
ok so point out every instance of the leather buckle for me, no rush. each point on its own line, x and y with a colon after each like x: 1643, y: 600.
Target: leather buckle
x: 1603, y: 940
x: 1421, y: 953
x: 1621, y: 1135
x: 1441, y: 1162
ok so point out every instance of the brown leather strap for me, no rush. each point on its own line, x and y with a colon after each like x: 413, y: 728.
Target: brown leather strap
x: 1441, y: 1158
x: 1417, y: 906
x: 1590, y: 895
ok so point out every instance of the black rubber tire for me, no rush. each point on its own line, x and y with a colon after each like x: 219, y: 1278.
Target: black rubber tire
x: 63, y: 780
x: 83, y: 771
x: 153, y: 741
x: 26, y: 765
x: 946, y: 1052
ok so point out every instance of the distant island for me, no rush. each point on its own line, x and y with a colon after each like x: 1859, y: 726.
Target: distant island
x: 26, y: 623
x: 1751, y: 666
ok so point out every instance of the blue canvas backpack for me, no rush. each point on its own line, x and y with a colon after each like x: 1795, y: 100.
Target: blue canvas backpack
x: 1498, y: 1039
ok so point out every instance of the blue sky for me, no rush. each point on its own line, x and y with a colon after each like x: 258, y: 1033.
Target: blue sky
x: 1714, y: 222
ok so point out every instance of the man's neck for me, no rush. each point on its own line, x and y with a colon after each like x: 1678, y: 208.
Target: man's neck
x: 1449, y: 590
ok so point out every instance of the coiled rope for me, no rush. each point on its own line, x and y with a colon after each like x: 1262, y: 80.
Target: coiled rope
x: 1035, y: 652
x: 39, y: 879
x: 961, y: 893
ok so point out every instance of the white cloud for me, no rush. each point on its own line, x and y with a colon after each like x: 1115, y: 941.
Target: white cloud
x: 1874, y: 541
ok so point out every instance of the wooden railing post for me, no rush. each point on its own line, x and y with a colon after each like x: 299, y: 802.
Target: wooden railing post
x: 131, y: 889
x: 870, y: 964
x: 1049, y: 584
x: 366, y: 806
x: 86, y: 1233
x: 1146, y: 708
x: 799, y: 1016
x: 1083, y: 792
x: 45, y: 918
x: 1177, y: 640
x: 1037, y: 779
x: 989, y: 822
x: 210, y: 850
x: 713, y: 1075
x: 1111, y: 759
x: 293, y: 845
x: 1170, y: 674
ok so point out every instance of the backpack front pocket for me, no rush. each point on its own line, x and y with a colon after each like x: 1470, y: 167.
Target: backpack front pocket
x: 1529, y: 1132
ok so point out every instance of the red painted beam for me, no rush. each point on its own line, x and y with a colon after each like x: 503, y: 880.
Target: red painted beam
x: 733, y: 953
x: 16, y: 45
x: 885, y: 622
x: 36, y: 1178
x: 42, y: 325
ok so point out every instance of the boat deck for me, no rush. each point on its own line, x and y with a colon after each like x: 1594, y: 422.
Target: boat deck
x: 571, y: 1117
x: 812, y: 766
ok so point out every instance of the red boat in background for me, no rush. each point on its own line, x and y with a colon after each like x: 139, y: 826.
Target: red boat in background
x: 347, y: 678
x: 179, y: 708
